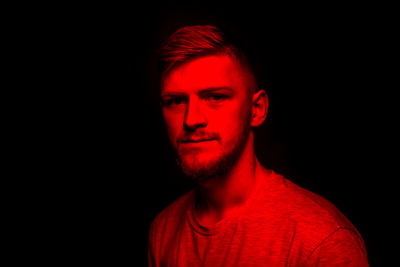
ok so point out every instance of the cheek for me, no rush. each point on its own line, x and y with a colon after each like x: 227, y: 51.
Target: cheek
x: 230, y: 124
x: 225, y: 124
x: 173, y: 124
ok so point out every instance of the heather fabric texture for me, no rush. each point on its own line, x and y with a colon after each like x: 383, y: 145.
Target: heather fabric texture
x: 281, y: 224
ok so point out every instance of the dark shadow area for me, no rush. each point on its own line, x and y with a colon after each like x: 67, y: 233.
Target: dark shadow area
x: 116, y: 168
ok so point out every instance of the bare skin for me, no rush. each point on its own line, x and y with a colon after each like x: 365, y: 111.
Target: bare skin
x: 210, y: 109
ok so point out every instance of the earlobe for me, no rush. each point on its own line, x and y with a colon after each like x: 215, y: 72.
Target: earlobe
x: 259, y: 108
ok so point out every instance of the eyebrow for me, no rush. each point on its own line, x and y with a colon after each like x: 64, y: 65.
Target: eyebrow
x: 202, y: 91
x: 213, y: 89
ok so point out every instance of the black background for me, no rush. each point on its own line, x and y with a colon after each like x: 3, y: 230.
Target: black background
x: 113, y: 167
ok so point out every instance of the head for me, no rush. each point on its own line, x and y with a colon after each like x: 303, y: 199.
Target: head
x: 210, y: 99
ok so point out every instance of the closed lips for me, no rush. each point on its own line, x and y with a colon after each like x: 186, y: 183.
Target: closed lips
x: 196, y: 140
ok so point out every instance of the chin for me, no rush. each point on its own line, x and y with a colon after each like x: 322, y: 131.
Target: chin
x: 199, y: 165
x: 204, y: 167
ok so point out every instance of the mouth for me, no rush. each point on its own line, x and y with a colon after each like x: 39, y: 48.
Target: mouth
x: 188, y: 146
x: 196, y: 141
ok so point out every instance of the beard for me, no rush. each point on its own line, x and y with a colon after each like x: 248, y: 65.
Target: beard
x: 202, y: 172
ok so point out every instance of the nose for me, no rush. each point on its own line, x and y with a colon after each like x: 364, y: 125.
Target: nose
x: 194, y: 118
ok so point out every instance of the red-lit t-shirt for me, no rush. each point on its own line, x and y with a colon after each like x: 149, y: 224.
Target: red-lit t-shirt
x: 282, y: 224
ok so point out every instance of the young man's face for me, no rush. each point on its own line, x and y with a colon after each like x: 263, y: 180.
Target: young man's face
x: 207, y: 109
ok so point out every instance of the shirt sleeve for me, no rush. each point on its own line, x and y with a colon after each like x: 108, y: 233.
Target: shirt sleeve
x: 343, y: 248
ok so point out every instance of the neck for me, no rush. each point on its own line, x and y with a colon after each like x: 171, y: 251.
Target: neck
x: 221, y: 196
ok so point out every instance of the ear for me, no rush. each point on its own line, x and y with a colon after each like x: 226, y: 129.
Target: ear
x: 259, y: 108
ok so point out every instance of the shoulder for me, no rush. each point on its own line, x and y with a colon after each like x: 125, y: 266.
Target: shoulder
x: 165, y: 224
x: 340, y: 248
x: 313, y: 215
x: 317, y: 226
x: 174, y: 212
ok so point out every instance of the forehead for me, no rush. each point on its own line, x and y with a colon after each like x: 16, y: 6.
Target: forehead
x: 206, y: 72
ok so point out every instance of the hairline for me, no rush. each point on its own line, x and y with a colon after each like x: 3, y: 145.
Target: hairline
x: 229, y: 51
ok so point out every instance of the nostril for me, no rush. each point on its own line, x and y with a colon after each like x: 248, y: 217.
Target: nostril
x: 193, y: 127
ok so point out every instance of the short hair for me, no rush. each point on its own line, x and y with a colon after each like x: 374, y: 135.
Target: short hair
x: 191, y: 42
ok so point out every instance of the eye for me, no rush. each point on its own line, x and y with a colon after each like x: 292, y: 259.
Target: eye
x: 172, y: 102
x: 216, y: 98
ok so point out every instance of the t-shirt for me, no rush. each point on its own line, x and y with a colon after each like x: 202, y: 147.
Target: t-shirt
x: 281, y: 224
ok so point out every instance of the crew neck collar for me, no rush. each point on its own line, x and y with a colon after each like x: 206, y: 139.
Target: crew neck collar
x: 215, y: 229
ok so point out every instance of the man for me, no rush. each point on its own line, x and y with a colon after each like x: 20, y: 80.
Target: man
x: 239, y: 214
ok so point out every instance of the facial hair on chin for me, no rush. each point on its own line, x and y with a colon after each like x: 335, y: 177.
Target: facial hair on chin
x: 203, y: 172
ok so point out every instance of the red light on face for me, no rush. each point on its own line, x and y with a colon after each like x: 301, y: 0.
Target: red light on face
x: 197, y: 147
x: 206, y: 109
